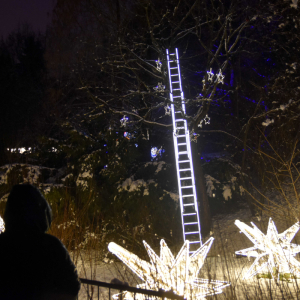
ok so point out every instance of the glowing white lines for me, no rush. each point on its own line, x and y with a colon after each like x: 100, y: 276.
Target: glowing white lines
x: 169, y: 273
x: 274, y: 251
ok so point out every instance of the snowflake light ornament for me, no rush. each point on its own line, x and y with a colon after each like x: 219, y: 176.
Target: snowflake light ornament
x: 168, y: 273
x: 2, y: 227
x: 160, y: 88
x: 158, y: 65
x: 210, y: 75
x: 220, y: 77
x: 206, y: 121
x: 124, y: 121
x: 274, y: 251
x: 167, y: 110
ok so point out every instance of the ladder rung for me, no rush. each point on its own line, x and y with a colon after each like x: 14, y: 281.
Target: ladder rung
x: 176, y: 97
x: 175, y: 82
x: 176, y: 90
x: 191, y: 214
x: 180, y: 127
x: 183, y: 152
x: 194, y: 242
x: 186, y: 187
x: 185, y: 178
x: 181, y: 144
x: 175, y: 75
x: 183, y: 170
x: 189, y: 204
x: 191, y: 223
x: 179, y: 120
x: 172, y: 54
x: 173, y: 68
x: 192, y: 232
x: 183, y: 161
x: 182, y: 135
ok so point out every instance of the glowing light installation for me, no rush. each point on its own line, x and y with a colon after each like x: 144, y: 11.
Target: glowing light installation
x: 124, y: 121
x: 160, y: 88
x: 184, y: 164
x: 274, y: 251
x: 168, y: 273
x: 167, y: 110
x: 158, y: 65
x: 2, y: 227
x: 210, y: 76
x: 156, y: 152
x: 206, y: 121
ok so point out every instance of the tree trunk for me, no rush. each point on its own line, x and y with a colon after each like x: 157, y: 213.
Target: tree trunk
x: 203, y: 204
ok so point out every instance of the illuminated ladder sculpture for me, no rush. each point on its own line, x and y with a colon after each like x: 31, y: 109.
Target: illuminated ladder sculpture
x: 183, y: 154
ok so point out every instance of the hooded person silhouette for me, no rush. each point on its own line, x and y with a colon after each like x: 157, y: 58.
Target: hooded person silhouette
x: 33, y: 264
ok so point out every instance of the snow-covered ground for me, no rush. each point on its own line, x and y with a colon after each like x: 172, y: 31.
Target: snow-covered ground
x: 221, y: 263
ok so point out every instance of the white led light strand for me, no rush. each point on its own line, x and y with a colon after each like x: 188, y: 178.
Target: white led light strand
x: 2, y: 226
x: 171, y: 274
x: 274, y: 251
x: 183, y: 155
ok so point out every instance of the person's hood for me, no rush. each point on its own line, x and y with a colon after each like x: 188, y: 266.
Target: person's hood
x: 27, y: 210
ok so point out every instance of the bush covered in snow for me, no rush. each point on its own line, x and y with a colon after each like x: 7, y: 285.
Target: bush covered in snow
x: 223, y: 183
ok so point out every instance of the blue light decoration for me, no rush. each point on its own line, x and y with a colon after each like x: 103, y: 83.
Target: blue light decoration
x: 155, y: 153
x: 127, y: 135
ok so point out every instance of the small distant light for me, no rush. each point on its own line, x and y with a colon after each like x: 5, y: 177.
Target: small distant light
x: 136, y: 145
x: 105, y: 145
x: 214, y: 195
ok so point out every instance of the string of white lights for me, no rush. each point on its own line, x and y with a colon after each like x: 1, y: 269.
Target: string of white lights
x: 272, y: 251
x: 169, y: 273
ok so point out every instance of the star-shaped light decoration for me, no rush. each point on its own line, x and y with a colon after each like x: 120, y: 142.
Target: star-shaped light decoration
x: 124, y: 121
x: 206, y: 121
x: 167, y: 110
x: 160, y: 88
x: 171, y: 274
x: 210, y: 75
x: 158, y: 65
x: 274, y: 251
x: 220, y: 77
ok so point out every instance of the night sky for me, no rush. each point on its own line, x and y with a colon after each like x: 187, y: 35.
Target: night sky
x: 37, y: 13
